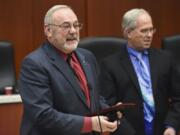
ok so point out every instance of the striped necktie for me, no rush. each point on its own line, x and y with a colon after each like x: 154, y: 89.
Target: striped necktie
x: 146, y: 88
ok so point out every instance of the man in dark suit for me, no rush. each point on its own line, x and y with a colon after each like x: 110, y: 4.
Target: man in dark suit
x: 58, y: 83
x: 145, y: 76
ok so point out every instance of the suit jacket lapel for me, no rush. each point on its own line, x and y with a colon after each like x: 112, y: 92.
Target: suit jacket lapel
x: 153, y: 62
x: 64, y: 68
x: 88, y: 72
x: 86, y: 67
x: 128, y: 66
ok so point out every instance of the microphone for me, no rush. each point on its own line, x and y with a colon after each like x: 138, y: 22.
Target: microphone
x: 95, y: 105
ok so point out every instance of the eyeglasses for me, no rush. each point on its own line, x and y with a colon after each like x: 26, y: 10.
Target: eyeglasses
x: 147, y: 31
x: 66, y: 26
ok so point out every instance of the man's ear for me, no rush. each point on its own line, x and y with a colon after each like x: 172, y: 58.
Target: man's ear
x: 47, y: 30
x: 128, y: 32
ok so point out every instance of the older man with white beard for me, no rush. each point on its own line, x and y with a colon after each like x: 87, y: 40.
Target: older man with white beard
x: 58, y: 82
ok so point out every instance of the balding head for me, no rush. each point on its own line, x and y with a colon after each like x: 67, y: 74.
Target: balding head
x: 48, y: 19
x: 130, y: 17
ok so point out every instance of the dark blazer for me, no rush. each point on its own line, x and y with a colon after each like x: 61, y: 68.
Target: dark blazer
x: 53, y: 101
x: 119, y: 83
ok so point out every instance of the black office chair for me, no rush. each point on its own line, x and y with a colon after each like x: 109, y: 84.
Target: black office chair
x: 7, y: 67
x: 172, y: 44
x: 101, y: 47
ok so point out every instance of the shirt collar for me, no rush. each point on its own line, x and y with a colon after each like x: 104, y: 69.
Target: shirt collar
x: 61, y: 53
x: 135, y: 53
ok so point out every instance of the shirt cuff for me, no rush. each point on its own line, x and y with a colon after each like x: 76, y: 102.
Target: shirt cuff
x: 87, y: 125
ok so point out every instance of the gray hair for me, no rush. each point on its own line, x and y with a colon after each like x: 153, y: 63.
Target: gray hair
x: 48, y: 17
x: 129, y: 18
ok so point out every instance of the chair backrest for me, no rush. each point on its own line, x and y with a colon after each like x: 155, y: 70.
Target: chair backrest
x: 172, y: 44
x: 101, y: 47
x: 7, y: 67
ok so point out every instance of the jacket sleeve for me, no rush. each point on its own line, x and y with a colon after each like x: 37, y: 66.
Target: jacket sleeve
x: 108, y: 90
x: 173, y: 115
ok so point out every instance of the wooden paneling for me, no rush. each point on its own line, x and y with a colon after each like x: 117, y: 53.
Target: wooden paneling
x: 105, y: 19
x: 16, y: 26
x: 167, y: 19
x: 10, y: 118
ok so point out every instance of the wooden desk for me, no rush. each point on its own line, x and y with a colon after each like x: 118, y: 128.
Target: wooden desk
x: 10, y: 114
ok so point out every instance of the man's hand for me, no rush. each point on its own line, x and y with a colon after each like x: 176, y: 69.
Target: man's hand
x: 106, y: 125
x: 169, y: 131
